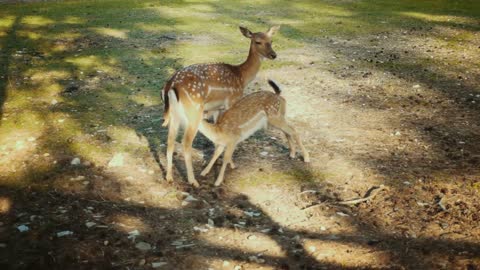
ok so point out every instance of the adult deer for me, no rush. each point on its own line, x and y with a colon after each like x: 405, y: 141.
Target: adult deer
x: 209, y: 87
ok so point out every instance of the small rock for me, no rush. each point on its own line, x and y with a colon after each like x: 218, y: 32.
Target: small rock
x: 264, y: 153
x: 143, y: 246
x: 85, y: 183
x: 252, y: 237
x: 252, y: 214
x: 256, y: 259
x: 416, y: 86
x: 342, y: 214
x: 23, y: 228
x: 90, y: 224
x: 158, y: 264
x: 211, y: 224
x: 133, y: 234
x: 142, y: 262
x: 184, y: 246
x: 312, y: 248
x: 397, y: 133
x: 54, y: 102
x: 75, y: 161
x: 237, y: 267
x: 407, y: 183
x: 78, y: 178
x: 226, y: 263
x: 200, y: 229
x: 64, y: 233
x: 322, y: 228
x: 116, y: 161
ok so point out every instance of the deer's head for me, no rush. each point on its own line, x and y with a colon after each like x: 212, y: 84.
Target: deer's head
x: 262, y: 42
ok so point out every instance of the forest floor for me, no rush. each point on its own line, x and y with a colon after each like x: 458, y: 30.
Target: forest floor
x: 382, y: 94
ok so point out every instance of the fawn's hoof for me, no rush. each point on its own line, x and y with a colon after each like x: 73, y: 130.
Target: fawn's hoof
x: 169, y: 178
x: 306, y: 159
x: 195, y: 183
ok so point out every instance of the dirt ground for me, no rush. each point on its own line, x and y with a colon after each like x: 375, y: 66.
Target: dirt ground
x: 393, y: 109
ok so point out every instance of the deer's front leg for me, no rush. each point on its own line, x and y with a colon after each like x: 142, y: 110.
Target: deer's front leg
x: 227, y: 157
x: 218, y: 151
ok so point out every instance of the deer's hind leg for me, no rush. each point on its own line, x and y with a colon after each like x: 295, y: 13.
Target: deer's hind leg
x: 194, y: 116
x: 173, y: 124
x: 280, y: 123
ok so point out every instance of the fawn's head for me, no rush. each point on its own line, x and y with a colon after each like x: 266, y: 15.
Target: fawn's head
x: 262, y: 42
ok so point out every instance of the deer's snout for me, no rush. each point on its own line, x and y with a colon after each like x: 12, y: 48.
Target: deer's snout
x: 273, y: 55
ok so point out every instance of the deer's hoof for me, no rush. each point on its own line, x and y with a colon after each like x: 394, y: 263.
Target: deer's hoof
x: 169, y: 178
x: 195, y: 184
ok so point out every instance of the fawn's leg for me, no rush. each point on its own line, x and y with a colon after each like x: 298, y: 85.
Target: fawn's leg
x: 289, y: 131
x: 218, y: 151
x: 227, y: 158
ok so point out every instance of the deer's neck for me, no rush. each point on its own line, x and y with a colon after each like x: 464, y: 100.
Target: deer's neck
x: 249, y: 68
x: 209, y: 130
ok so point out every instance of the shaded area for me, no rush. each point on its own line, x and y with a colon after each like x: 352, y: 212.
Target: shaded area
x: 5, y: 60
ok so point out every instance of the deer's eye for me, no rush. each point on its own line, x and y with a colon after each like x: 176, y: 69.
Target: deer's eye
x: 258, y: 42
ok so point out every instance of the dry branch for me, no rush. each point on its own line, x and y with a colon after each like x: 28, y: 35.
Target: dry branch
x: 372, y: 191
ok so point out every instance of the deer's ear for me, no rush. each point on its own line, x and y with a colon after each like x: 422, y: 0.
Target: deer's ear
x: 247, y: 33
x: 273, y: 30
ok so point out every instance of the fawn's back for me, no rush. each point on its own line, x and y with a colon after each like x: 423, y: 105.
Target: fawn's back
x: 251, y: 113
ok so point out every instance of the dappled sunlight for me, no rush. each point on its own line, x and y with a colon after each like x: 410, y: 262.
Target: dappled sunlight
x: 5, y: 205
x: 29, y: 34
x: 111, y: 32
x: 92, y: 63
x: 346, y: 254
x: 127, y: 223
x: 252, y: 242
x: 438, y: 18
x: 35, y: 21
x: 73, y: 20
x: 153, y: 28
x: 6, y: 22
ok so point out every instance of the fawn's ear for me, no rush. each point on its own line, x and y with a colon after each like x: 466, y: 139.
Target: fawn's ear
x: 247, y: 33
x: 273, y: 30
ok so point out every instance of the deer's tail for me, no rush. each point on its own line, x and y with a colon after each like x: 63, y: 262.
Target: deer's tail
x: 275, y: 87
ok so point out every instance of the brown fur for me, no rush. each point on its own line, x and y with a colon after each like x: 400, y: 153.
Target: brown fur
x: 244, y: 118
x: 209, y: 88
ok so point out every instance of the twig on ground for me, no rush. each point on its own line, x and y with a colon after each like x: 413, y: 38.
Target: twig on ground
x: 312, y: 205
x: 308, y: 191
x: 371, y: 193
